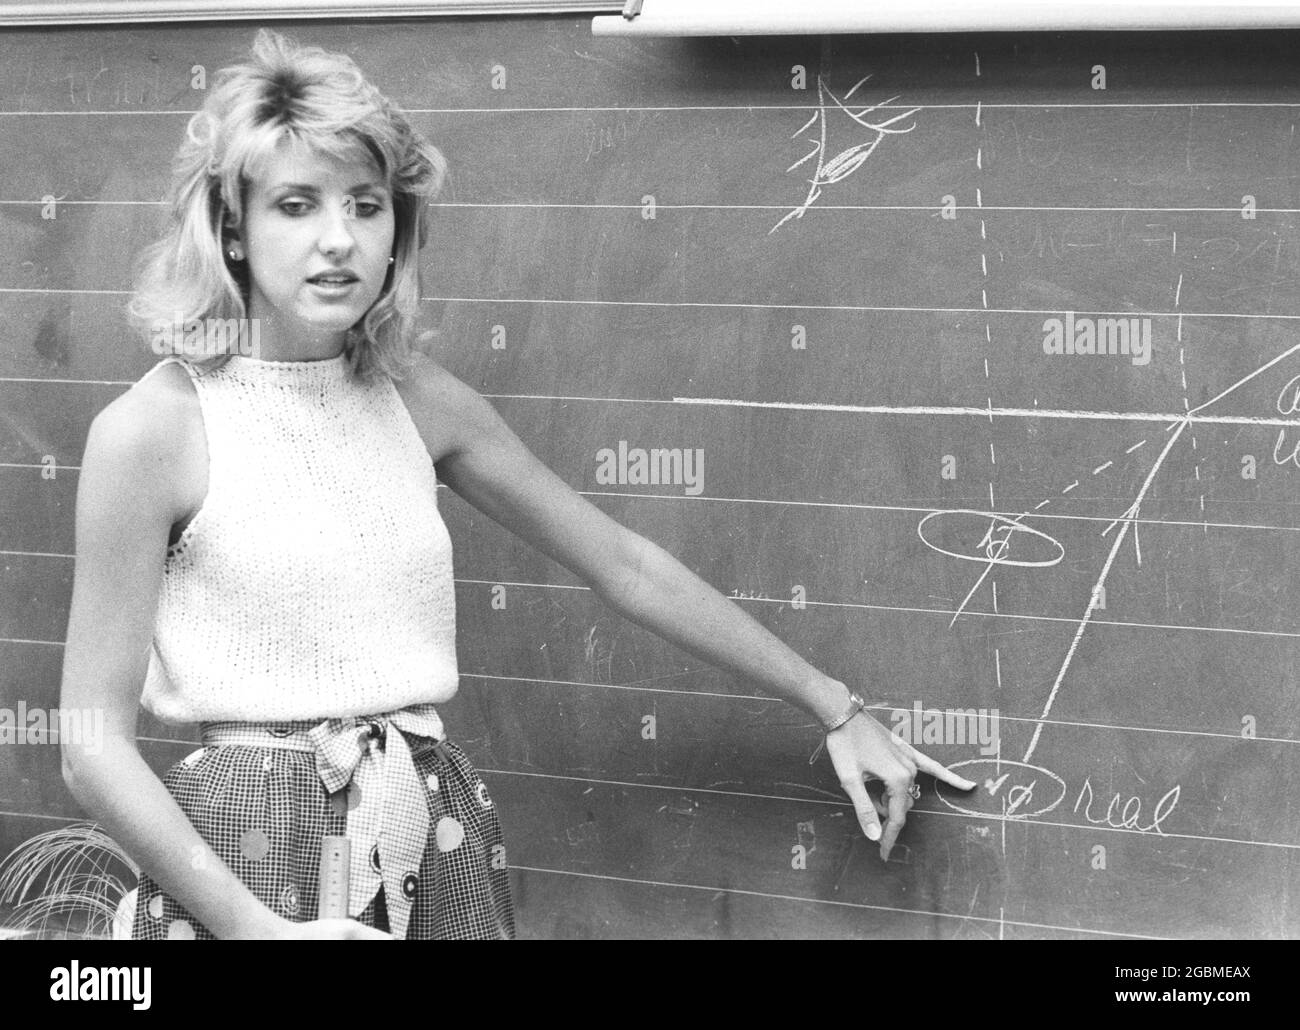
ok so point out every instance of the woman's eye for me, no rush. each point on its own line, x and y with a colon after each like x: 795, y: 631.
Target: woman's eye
x: 368, y: 208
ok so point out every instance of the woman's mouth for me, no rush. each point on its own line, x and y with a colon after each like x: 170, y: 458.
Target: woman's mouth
x: 331, y: 285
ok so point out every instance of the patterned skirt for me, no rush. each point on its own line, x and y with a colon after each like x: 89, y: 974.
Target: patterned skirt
x: 263, y: 809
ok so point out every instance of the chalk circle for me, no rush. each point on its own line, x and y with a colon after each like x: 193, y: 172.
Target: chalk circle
x: 254, y: 845
x: 180, y: 930
x: 483, y: 799
x: 448, y: 833
x: 1000, y: 779
x: 155, y: 907
x: 1015, y: 527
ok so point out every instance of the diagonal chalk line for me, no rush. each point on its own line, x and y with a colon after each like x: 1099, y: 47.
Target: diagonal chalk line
x: 1127, y: 519
x: 1245, y: 379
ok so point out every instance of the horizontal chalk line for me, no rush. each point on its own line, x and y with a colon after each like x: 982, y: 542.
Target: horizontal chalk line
x: 667, y: 206
x: 825, y: 407
x: 846, y: 804
x: 745, y: 306
x: 896, y: 309
x: 992, y: 817
x: 1002, y: 717
x: 987, y: 411
x: 886, y: 308
x: 664, y: 205
x: 732, y: 890
x: 1201, y: 524
x: 735, y: 108
x: 927, y: 913
x: 1107, y: 519
x: 862, y: 606
x: 880, y: 707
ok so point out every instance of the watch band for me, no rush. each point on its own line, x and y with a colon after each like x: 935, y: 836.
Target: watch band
x: 856, y: 704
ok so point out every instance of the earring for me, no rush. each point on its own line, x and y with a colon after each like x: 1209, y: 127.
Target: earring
x: 233, y: 255
x: 391, y: 260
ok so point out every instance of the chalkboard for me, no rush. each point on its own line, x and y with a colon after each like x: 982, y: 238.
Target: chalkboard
x: 985, y: 350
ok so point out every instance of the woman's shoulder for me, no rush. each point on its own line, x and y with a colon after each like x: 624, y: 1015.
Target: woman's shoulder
x: 425, y: 379
x: 443, y: 408
x: 155, y: 400
x: 151, y: 424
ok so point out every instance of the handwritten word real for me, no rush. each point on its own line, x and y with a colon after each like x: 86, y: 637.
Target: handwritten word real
x: 1127, y: 815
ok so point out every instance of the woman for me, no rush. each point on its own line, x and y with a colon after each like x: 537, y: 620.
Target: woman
x: 258, y: 542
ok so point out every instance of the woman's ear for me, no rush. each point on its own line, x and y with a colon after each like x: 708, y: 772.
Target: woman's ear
x: 230, y: 241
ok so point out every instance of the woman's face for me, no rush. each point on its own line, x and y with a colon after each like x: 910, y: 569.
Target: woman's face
x: 308, y: 216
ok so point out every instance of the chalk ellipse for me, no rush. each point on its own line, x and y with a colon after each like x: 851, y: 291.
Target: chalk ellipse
x: 1003, y: 780
x: 1014, y: 527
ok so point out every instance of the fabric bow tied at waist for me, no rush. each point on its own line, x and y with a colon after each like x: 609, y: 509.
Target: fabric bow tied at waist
x: 388, y: 816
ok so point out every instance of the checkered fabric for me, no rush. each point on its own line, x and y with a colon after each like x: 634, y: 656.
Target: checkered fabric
x: 428, y: 857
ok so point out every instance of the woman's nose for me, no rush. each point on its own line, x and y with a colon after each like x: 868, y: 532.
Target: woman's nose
x: 336, y: 234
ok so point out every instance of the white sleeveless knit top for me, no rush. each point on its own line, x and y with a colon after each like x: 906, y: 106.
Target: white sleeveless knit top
x: 316, y: 579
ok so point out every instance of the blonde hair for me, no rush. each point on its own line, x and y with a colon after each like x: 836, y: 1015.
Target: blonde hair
x: 321, y: 104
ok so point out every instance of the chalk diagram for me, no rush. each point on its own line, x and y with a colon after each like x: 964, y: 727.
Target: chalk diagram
x: 830, y: 170
x: 1024, y: 789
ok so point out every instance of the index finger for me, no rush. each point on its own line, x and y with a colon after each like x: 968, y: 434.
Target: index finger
x: 897, y: 816
x: 927, y: 764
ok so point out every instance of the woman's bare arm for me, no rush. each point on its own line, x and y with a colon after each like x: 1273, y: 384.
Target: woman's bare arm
x: 127, y: 500
x: 126, y: 503
x: 481, y: 459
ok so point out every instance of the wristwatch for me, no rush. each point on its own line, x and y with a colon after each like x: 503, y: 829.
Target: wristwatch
x: 856, y: 704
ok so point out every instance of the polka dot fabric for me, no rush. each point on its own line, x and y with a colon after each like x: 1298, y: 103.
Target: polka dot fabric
x: 264, y: 811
